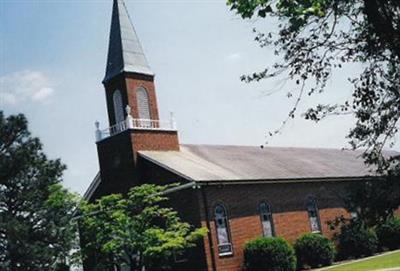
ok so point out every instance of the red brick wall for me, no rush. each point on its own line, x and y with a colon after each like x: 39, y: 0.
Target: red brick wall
x: 154, y: 140
x: 116, y: 164
x: 133, y: 82
x: 291, y: 224
x: 117, y: 156
x: 128, y: 84
x: 288, y: 204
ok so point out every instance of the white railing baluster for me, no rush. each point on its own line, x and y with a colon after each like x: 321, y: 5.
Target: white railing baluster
x: 131, y: 123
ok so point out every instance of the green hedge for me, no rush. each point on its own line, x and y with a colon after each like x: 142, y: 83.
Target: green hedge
x: 356, y: 241
x: 269, y: 254
x: 389, y: 234
x: 314, y: 250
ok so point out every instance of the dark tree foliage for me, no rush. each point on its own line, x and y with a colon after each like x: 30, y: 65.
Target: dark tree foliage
x: 314, y: 250
x: 374, y: 201
x: 269, y: 254
x: 35, y: 211
x: 317, y: 37
x: 389, y: 234
x: 355, y: 240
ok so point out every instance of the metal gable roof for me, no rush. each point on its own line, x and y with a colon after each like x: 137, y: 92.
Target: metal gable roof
x: 125, y: 53
x: 228, y: 163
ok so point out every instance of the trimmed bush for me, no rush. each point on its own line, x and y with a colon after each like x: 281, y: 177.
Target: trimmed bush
x: 314, y: 250
x: 356, y: 241
x: 389, y: 234
x: 269, y: 254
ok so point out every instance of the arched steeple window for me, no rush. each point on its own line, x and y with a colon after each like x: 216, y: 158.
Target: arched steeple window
x: 266, y: 219
x: 222, y: 226
x: 313, y: 214
x: 118, y: 106
x: 143, y: 103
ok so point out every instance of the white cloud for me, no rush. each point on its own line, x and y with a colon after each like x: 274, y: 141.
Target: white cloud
x: 42, y: 94
x: 25, y: 85
x: 7, y: 98
x: 234, y: 56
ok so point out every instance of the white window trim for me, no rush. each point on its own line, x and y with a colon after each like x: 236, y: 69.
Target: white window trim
x: 227, y: 228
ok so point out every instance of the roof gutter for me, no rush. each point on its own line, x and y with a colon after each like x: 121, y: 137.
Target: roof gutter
x: 198, y: 184
x: 285, y: 181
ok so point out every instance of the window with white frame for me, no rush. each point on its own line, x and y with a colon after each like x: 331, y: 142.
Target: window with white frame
x: 266, y: 219
x: 143, y: 103
x: 221, y: 222
x: 313, y: 214
x: 118, y: 106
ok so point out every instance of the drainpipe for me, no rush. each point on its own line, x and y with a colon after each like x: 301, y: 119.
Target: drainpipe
x: 210, y: 242
x: 179, y: 187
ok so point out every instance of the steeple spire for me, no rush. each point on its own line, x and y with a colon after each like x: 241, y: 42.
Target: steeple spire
x: 125, y: 53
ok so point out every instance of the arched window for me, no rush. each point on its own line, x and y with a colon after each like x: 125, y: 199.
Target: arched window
x: 118, y: 106
x: 266, y: 219
x: 313, y: 214
x: 143, y: 103
x: 221, y: 222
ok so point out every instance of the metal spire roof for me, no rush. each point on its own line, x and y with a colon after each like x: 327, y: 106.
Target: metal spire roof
x: 125, y: 54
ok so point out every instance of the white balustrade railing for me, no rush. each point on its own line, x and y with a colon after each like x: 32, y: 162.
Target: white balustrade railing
x: 131, y: 123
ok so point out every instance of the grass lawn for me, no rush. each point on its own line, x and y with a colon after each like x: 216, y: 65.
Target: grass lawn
x: 376, y: 263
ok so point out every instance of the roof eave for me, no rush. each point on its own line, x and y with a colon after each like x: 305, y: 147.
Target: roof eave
x: 110, y: 77
x: 92, y: 187
x: 165, y: 167
x: 286, y: 180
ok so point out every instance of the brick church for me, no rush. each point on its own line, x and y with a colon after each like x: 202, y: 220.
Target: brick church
x: 236, y: 192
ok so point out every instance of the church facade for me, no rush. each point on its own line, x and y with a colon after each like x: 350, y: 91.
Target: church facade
x: 237, y: 192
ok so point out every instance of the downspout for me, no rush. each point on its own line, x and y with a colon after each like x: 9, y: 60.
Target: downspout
x: 210, y: 242
x: 179, y: 187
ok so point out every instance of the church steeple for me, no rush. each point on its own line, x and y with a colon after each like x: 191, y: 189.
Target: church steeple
x: 125, y: 53
x: 134, y: 123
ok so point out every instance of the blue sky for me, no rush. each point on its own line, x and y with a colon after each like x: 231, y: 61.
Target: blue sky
x: 52, y: 61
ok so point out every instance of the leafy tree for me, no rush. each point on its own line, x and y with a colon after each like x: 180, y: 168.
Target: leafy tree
x: 355, y: 239
x: 136, y: 230
x: 374, y: 202
x: 316, y: 38
x: 35, y: 233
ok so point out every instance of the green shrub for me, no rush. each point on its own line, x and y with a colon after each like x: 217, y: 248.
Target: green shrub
x: 356, y: 240
x: 389, y: 234
x: 269, y: 254
x: 314, y: 250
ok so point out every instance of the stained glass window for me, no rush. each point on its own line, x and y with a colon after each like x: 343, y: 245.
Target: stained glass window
x: 221, y: 222
x: 313, y: 214
x: 266, y: 219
